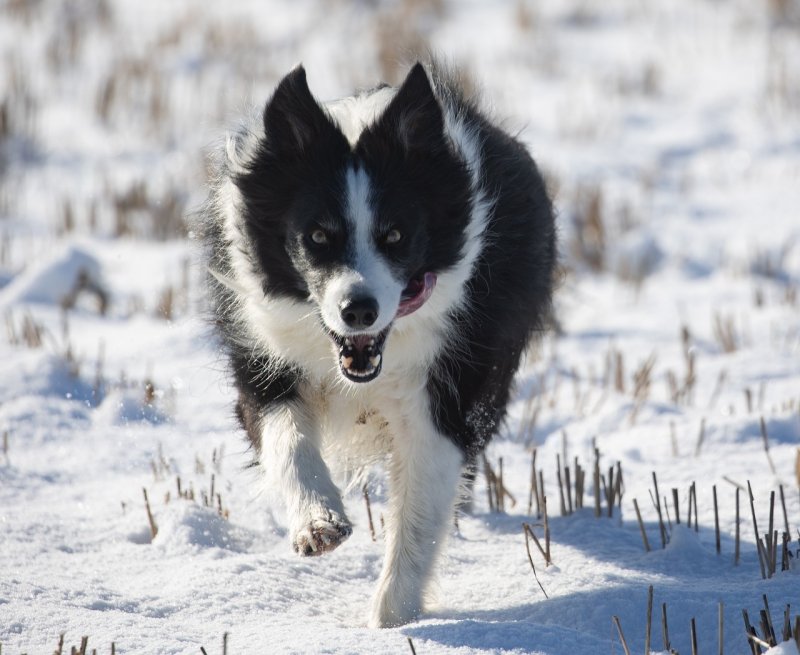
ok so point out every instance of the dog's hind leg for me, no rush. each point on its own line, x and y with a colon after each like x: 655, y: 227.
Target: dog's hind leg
x: 290, y: 455
x: 424, y: 474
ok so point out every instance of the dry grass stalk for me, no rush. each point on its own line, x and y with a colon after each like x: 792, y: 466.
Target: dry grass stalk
x: 716, y: 520
x: 5, y: 445
x: 765, y: 438
x: 149, y: 394
x: 526, y: 529
x: 568, y: 486
x: 693, y: 630
x: 86, y: 284
x: 752, y: 636
x: 525, y: 16
x: 496, y: 490
x: 401, y: 31
x: 166, y: 303
x: 666, y: 511
x: 700, y: 437
x: 588, y: 245
x: 721, y: 628
x: 540, y: 489
x: 642, y: 379
x: 534, y: 492
x: 766, y: 623
x: 641, y: 528
x: 797, y: 467
x: 488, y: 473
x: 596, y: 482
x: 761, y: 562
x: 32, y: 332
x: 677, y: 508
x: 150, y: 519
x: 785, y: 515
x: 748, y: 396
x: 733, y: 482
x: 721, y: 378
x: 613, y: 490
x: 771, y: 517
x: 673, y: 438
x: 411, y: 646
x: 99, y: 378
x: 562, y: 504
x: 674, y: 390
x: 619, y: 373
x: 499, y: 488
x: 738, y: 530
x: 530, y: 416
x: 785, y: 554
x: 684, y: 392
x: 616, y: 622
x: 725, y: 334
x: 369, y: 512
x: 665, y: 628
x: 657, y: 503
x: 786, y: 633
x: 580, y: 483
x: 546, y: 532
x: 649, y: 625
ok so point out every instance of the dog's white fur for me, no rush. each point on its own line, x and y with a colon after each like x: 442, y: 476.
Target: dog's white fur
x: 424, y: 466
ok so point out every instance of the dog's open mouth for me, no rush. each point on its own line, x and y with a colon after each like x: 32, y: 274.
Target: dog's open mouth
x: 361, y: 355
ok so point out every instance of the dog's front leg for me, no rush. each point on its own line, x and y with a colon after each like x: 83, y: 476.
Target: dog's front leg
x: 424, y: 473
x: 290, y: 455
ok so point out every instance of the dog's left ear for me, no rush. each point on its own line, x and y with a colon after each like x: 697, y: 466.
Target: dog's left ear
x: 414, y: 114
x: 293, y: 119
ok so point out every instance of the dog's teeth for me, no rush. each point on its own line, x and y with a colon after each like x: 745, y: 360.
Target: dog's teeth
x: 348, y: 342
x: 375, y: 360
x: 347, y: 362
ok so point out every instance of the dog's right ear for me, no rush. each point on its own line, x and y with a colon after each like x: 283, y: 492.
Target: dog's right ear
x: 293, y: 119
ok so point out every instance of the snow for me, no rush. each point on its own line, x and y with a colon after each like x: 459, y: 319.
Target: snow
x: 681, y: 115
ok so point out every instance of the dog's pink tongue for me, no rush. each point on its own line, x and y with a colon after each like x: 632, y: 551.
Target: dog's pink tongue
x: 421, y: 292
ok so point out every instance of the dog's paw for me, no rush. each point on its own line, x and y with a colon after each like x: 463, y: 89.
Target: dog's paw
x: 321, y: 534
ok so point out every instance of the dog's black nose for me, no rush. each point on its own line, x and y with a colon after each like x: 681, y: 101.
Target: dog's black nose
x: 360, y: 313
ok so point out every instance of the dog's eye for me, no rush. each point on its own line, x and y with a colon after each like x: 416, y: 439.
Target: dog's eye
x: 319, y: 237
x: 392, y: 237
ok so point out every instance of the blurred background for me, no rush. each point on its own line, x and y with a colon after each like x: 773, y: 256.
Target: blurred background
x: 669, y: 135
x: 639, y: 112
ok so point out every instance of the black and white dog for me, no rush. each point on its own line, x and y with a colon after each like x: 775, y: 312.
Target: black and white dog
x: 378, y: 266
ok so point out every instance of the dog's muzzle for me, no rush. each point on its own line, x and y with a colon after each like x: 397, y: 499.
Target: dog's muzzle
x: 361, y: 355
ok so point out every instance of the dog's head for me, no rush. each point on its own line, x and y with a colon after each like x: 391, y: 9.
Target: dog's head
x: 360, y: 228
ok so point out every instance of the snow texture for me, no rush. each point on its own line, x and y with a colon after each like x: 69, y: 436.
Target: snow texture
x: 668, y: 132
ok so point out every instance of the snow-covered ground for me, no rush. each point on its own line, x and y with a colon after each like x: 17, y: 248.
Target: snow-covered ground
x: 670, y: 134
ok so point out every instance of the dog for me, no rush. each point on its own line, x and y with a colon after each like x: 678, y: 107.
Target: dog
x: 377, y: 267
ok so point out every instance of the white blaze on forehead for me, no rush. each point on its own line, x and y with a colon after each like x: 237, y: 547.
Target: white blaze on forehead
x: 367, y: 273
x: 359, y: 212
x: 354, y: 114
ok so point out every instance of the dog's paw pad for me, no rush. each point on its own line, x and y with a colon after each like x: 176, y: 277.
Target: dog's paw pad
x: 322, y: 534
